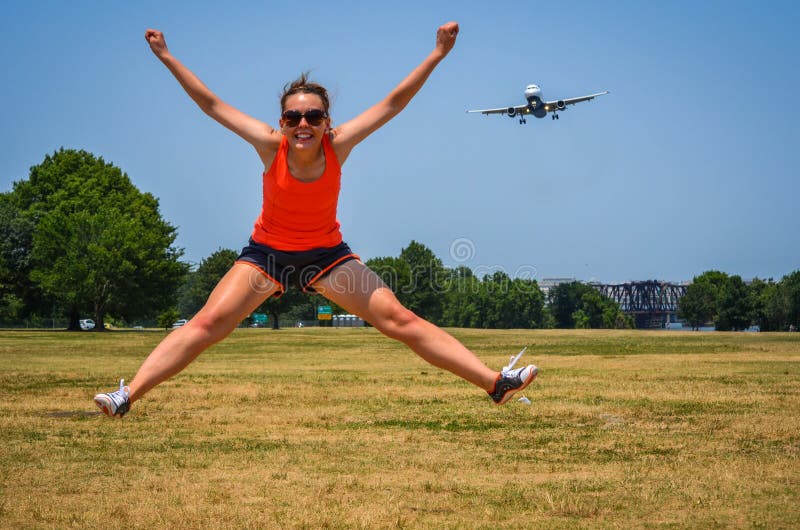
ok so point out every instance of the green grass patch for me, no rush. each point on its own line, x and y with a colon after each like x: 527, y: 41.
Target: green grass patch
x: 343, y: 428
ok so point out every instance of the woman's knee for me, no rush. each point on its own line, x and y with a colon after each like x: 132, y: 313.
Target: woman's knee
x: 397, y: 322
x: 210, y: 327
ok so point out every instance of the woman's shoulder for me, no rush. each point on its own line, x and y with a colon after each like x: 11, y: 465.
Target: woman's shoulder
x: 270, y: 141
x: 340, y: 144
x: 268, y: 150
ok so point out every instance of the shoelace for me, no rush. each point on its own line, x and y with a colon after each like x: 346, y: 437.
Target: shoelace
x: 120, y: 396
x: 514, y: 358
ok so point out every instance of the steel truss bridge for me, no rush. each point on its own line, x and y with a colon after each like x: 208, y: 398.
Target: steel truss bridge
x: 650, y: 302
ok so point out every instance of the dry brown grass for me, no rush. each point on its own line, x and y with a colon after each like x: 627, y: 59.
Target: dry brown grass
x: 317, y: 428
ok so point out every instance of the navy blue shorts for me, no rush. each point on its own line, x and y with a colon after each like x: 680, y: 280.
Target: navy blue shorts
x: 294, y: 268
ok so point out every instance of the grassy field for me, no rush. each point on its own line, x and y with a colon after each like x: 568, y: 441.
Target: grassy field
x: 342, y: 428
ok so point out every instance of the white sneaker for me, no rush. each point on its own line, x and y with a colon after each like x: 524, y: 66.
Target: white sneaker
x: 509, y: 381
x: 114, y: 403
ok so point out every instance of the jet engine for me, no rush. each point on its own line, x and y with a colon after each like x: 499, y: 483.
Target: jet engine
x: 560, y: 104
x: 511, y: 112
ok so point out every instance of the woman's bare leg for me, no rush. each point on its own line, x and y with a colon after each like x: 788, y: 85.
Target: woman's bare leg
x: 237, y: 294
x: 360, y: 291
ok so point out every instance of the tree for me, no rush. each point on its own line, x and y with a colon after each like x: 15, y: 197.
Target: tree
x: 507, y: 303
x: 199, y: 283
x: 596, y: 311
x: 305, y: 308
x: 418, y: 279
x: 790, y: 293
x: 395, y: 273
x: 19, y: 296
x: 565, y: 300
x: 462, y: 299
x: 168, y: 317
x: 548, y: 321
x: 696, y: 306
x: 455, y: 297
x: 98, y: 244
x: 590, y: 310
x: 9, y: 301
x: 578, y: 305
x: 276, y: 306
x: 734, y: 308
x: 725, y: 300
x: 776, y: 305
x: 423, y: 295
x: 767, y: 310
x: 700, y: 303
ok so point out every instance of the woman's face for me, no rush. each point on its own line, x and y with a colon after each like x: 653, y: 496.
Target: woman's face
x: 304, y: 135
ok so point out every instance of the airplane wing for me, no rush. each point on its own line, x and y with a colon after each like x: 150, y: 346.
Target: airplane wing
x: 519, y: 109
x: 571, y: 101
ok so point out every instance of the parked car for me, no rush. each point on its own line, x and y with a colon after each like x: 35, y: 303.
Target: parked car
x: 86, y: 324
x: 179, y: 323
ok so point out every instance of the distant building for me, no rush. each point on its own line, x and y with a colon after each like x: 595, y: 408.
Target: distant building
x: 545, y: 284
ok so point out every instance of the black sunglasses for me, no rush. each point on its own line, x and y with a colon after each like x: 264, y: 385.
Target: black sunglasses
x: 314, y: 117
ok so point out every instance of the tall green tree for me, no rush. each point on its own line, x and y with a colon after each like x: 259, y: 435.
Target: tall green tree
x: 790, y: 293
x: 734, y: 306
x: 99, y: 244
x: 395, y: 273
x: 510, y: 303
x: 700, y: 304
x: 565, y: 300
x: 19, y: 296
x: 696, y: 306
x: 776, y: 305
x: 424, y: 293
x: 767, y: 310
x: 596, y: 311
x: 461, y: 306
x: 10, y: 304
x: 199, y: 283
x: 526, y: 300
x: 418, y: 279
x: 589, y: 314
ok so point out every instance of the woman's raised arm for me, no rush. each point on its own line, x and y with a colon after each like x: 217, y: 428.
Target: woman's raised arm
x: 350, y: 133
x: 259, y: 134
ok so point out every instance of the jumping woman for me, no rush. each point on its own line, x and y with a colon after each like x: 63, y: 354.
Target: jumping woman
x: 296, y: 240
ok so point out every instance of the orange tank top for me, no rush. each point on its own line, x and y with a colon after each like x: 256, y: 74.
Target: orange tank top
x: 297, y: 215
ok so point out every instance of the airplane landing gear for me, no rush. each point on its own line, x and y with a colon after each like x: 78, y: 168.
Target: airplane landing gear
x: 555, y: 116
x: 522, y: 120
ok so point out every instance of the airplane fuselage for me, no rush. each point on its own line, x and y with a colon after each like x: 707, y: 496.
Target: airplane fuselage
x: 533, y: 94
x: 534, y: 104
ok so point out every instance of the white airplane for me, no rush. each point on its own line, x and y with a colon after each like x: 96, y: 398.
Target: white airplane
x: 536, y: 106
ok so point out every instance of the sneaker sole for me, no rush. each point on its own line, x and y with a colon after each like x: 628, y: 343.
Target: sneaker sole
x: 508, y: 395
x: 104, y: 404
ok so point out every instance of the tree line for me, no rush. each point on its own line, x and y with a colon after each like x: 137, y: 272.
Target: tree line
x: 79, y: 239
x: 729, y: 304
x: 448, y: 297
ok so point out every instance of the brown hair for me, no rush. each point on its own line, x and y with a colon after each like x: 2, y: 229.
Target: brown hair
x: 304, y: 86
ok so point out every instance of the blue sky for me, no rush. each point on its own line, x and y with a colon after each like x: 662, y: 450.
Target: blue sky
x: 691, y: 163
